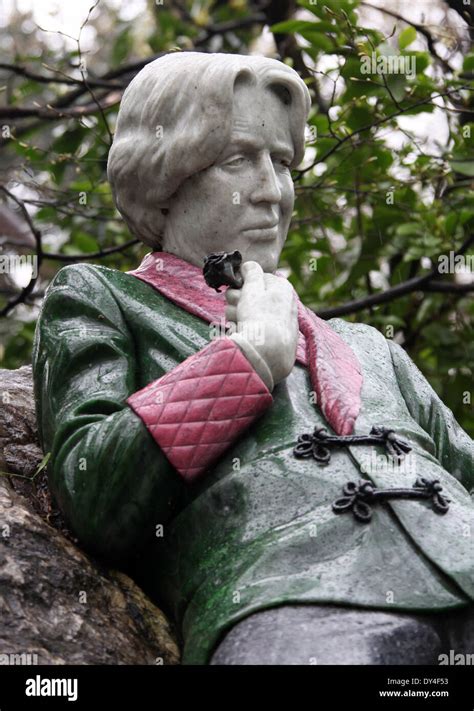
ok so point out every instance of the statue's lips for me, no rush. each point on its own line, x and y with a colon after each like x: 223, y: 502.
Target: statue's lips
x: 262, y: 232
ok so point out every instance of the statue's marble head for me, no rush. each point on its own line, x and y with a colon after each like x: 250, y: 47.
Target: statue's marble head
x: 202, y: 154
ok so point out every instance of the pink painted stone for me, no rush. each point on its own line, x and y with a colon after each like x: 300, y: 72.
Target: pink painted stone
x: 198, y: 409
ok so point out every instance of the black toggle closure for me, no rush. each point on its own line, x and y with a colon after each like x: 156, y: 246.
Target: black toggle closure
x: 359, y: 498
x: 320, y: 443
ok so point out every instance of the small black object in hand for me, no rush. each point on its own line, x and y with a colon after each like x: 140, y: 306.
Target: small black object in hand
x: 222, y: 269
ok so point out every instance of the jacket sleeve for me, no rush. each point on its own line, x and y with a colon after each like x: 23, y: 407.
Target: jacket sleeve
x: 113, y: 481
x: 454, y: 448
x: 201, y: 407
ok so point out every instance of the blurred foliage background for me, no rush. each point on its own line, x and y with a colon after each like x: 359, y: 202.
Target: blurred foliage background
x: 385, y: 190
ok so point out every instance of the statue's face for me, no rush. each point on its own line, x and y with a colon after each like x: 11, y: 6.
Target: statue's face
x: 245, y: 199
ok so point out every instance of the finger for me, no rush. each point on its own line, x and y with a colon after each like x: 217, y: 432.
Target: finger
x: 232, y: 296
x: 253, y: 275
x: 275, y: 278
x: 270, y: 281
x: 277, y: 284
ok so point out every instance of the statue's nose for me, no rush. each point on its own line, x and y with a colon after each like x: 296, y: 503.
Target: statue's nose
x: 266, y: 188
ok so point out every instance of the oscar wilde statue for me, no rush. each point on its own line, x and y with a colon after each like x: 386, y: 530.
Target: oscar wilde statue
x: 235, y: 469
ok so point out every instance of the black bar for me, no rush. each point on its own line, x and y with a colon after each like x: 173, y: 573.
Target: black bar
x: 152, y: 687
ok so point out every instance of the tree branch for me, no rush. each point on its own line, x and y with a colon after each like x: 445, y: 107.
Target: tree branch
x: 56, y: 256
x: 43, y: 256
x: 424, y: 283
x: 52, y: 113
x: 42, y: 79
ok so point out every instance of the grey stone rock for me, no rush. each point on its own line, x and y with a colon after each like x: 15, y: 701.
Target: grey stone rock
x: 58, y: 605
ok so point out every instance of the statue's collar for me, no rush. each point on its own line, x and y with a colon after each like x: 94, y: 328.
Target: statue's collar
x: 334, y: 368
x: 182, y: 283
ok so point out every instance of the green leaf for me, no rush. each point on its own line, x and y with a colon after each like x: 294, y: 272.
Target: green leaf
x: 465, y: 166
x: 122, y: 46
x: 359, y: 117
x: 47, y: 214
x: 409, y: 229
x: 466, y: 216
x: 397, y: 83
x: 422, y: 60
x: 406, y: 37
x: 84, y: 242
x: 69, y: 141
x: 421, y: 108
x: 299, y: 25
x: 318, y: 41
x: 451, y: 222
x: 468, y: 64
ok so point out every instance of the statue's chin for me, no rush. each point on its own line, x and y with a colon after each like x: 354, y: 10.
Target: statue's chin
x: 267, y: 255
x: 268, y: 263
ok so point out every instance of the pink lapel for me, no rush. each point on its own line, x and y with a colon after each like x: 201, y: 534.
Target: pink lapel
x: 334, y: 369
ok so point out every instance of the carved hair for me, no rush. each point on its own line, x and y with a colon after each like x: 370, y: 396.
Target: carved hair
x: 175, y: 119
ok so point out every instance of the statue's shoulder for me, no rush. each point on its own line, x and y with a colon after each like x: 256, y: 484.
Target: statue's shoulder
x: 82, y: 272
x: 351, y: 331
x: 369, y: 345
x: 83, y: 275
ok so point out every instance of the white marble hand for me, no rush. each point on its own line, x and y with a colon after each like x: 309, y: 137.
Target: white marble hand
x: 265, y: 314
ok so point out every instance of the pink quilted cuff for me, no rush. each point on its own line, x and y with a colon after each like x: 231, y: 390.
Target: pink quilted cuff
x: 198, y: 409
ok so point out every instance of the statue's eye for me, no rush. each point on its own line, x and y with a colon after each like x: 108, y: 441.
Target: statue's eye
x: 235, y: 162
x: 284, y: 162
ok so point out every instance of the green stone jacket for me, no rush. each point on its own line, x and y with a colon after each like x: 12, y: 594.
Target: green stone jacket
x: 258, y: 529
